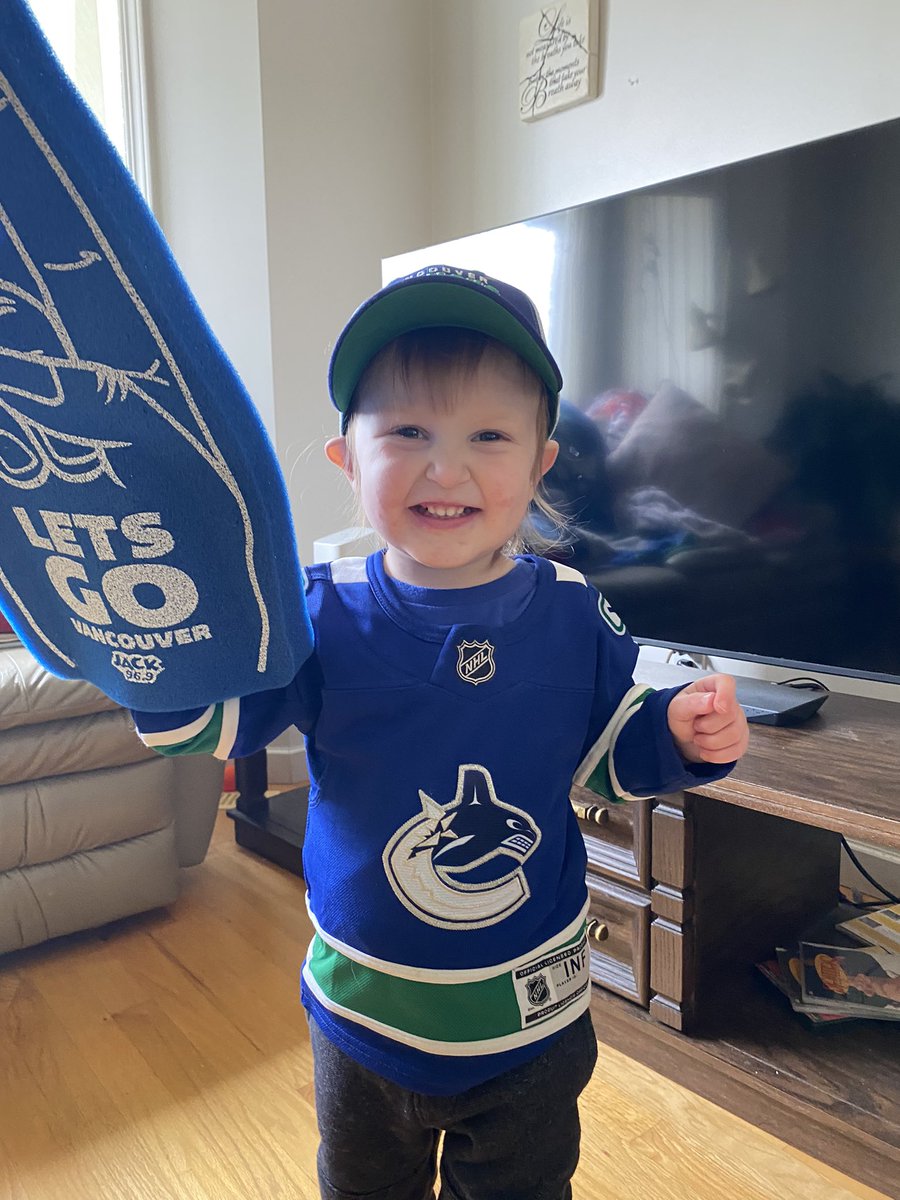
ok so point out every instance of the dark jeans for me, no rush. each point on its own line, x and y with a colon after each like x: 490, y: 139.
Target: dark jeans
x: 515, y: 1137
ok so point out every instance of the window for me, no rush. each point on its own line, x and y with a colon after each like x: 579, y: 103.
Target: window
x: 100, y: 45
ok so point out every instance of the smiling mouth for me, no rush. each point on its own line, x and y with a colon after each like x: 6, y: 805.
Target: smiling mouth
x: 444, y: 512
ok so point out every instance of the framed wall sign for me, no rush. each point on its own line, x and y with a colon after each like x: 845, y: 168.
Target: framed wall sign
x: 559, y: 57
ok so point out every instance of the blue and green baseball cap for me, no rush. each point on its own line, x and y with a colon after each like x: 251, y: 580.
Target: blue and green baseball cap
x: 441, y: 296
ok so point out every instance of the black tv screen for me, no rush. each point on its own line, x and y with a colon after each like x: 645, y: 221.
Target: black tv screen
x: 730, y: 432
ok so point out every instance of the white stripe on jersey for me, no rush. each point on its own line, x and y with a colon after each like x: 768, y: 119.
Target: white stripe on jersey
x: 231, y: 715
x: 172, y: 737
x: 566, y: 574
x: 349, y: 570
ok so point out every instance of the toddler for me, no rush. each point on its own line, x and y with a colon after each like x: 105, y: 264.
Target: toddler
x: 457, y: 688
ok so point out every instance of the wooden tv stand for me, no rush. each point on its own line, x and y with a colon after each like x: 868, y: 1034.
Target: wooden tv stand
x: 689, y: 891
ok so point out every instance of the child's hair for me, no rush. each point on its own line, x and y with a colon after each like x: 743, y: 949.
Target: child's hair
x: 441, y: 357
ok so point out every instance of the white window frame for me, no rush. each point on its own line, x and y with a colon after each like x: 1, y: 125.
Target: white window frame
x: 134, y: 94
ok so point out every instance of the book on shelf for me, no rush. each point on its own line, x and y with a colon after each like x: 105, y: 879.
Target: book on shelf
x: 881, y: 928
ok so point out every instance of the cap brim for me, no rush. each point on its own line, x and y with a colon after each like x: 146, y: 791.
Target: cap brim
x: 428, y: 303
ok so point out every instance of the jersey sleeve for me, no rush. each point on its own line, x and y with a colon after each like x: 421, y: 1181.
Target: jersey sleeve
x: 629, y: 753
x: 237, y: 727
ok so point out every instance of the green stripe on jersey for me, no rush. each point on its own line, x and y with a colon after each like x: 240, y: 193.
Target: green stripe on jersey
x: 600, y: 783
x: 203, y: 742
x: 597, y: 771
x: 508, y: 1005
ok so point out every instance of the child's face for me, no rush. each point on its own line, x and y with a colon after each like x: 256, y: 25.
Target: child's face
x: 446, y: 481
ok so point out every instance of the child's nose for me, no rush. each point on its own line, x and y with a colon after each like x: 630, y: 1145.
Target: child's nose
x: 447, y: 468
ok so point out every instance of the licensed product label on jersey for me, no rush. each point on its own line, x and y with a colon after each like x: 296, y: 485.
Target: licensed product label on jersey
x: 550, y: 983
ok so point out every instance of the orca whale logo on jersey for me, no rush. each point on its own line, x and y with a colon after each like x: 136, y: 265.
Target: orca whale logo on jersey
x: 459, y: 865
x: 475, y: 663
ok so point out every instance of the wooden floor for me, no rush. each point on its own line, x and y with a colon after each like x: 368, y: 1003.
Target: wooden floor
x: 166, y: 1057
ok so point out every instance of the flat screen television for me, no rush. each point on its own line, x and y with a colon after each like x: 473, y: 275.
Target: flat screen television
x: 730, y: 437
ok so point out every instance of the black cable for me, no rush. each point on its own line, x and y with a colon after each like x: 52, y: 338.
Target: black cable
x: 874, y: 882
x: 804, y: 683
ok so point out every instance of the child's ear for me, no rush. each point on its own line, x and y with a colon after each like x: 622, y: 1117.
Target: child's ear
x: 548, y: 458
x: 337, y: 451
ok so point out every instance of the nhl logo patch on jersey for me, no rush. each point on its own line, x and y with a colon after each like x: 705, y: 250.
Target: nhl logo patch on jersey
x: 538, y: 991
x: 475, y: 663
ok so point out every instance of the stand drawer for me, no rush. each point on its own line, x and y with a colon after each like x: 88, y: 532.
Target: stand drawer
x: 619, y: 939
x: 617, y: 836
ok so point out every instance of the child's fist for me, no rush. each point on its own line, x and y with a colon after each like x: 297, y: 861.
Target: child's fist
x: 707, y: 722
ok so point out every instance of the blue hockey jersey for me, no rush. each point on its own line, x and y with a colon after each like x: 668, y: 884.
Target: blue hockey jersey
x: 444, y: 863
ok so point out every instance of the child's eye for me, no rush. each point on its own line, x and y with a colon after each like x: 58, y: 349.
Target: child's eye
x: 490, y: 435
x: 407, y: 431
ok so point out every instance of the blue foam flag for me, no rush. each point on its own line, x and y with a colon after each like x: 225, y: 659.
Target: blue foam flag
x: 146, y: 541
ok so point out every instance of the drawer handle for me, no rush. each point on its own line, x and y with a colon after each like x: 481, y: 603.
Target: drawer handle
x: 592, y: 812
x: 597, y: 931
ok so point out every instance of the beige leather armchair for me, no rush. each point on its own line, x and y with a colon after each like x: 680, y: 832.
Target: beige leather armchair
x: 93, y: 825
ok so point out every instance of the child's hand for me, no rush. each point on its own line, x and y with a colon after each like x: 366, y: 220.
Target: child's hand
x: 707, y: 722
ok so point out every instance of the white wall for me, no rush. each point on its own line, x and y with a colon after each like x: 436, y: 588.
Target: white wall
x: 685, y: 86
x: 345, y: 101
x: 208, y: 186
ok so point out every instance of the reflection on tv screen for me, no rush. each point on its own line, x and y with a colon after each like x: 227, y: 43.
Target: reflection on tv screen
x: 729, y: 462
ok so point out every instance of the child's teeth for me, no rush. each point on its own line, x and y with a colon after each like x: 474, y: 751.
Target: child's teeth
x: 443, y: 511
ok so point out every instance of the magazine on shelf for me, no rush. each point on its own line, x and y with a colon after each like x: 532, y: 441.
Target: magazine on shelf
x: 847, y: 980
x: 780, y: 971
x: 880, y: 927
